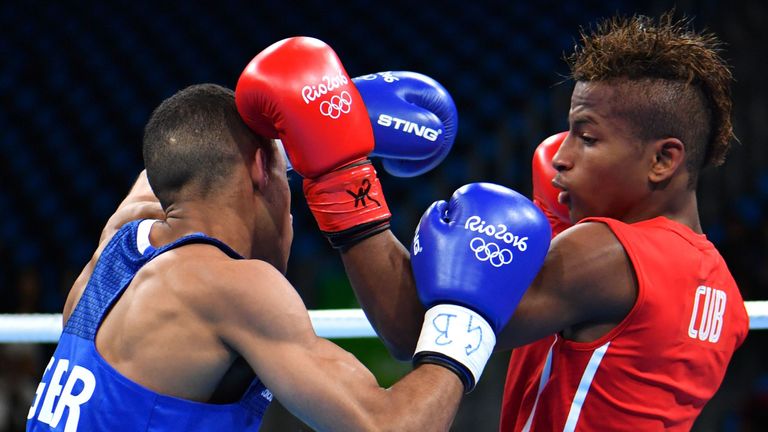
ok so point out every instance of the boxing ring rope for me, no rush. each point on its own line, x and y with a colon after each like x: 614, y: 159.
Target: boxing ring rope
x: 330, y: 323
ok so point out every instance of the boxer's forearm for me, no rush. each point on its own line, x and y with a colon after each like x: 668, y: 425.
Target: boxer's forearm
x: 380, y: 273
x: 140, y: 203
x: 141, y: 190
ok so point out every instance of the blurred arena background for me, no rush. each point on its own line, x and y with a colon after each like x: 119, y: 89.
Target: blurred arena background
x: 78, y: 80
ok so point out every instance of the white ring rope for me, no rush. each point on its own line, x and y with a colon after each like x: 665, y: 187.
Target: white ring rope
x: 46, y: 328
x: 331, y: 323
x: 758, y: 314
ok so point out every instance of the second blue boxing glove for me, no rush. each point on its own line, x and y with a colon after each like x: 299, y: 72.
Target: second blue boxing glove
x: 473, y: 257
x: 414, y: 120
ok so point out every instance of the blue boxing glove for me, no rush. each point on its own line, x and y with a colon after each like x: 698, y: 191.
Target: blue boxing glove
x: 414, y: 120
x: 473, y: 257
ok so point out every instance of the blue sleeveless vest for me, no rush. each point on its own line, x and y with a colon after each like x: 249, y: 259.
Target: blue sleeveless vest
x: 80, y: 391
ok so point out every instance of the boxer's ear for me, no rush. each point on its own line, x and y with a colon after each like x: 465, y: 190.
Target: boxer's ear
x: 258, y: 169
x: 669, y: 156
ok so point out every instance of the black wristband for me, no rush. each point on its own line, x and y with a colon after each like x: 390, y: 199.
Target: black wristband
x: 344, y: 240
x: 430, y: 357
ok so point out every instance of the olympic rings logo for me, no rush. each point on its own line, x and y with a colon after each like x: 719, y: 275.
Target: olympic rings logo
x: 490, y: 252
x: 338, y: 105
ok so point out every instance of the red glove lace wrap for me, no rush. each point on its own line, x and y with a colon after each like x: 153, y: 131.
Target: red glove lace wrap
x: 348, y: 204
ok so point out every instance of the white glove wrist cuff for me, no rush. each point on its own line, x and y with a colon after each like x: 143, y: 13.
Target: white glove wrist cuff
x: 458, y: 333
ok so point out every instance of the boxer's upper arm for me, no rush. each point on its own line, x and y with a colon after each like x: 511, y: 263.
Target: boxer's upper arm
x: 140, y: 203
x: 261, y: 317
x: 586, y: 278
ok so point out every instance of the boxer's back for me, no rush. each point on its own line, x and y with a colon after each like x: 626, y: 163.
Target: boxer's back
x: 137, y: 347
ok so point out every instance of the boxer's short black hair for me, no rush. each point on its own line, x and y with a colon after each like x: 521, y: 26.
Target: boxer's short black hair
x: 192, y: 141
x: 685, y: 82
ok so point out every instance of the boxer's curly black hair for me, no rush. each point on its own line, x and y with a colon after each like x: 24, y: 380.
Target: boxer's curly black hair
x: 192, y: 140
x: 685, y: 82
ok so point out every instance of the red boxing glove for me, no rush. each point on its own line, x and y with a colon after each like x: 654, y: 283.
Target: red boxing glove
x: 544, y: 194
x: 298, y: 91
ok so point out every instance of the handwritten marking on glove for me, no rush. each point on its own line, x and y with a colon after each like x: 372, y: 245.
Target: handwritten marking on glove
x: 442, y: 337
x: 362, y: 194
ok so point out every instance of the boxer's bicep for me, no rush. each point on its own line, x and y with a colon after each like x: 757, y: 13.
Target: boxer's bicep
x: 265, y: 321
x: 260, y: 315
x: 330, y: 390
x: 320, y: 383
x: 543, y: 310
x: 577, y: 284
